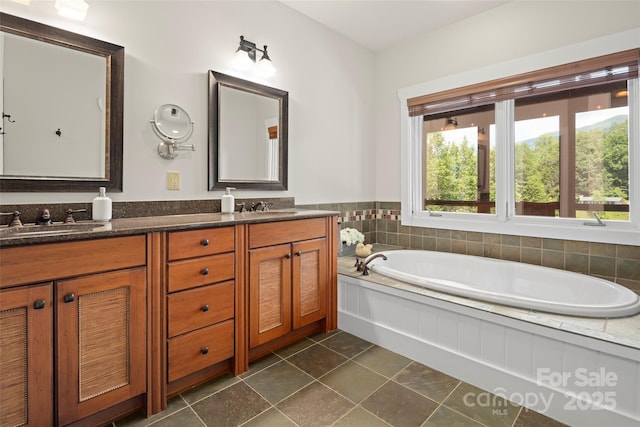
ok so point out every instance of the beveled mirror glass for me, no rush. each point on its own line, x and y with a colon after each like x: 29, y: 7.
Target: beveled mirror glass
x: 62, y: 109
x: 248, y: 134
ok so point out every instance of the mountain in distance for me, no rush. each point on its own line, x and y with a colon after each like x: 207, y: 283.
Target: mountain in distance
x: 605, y: 124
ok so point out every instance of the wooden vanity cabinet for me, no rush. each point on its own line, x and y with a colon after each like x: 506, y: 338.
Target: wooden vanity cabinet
x: 200, y: 300
x: 94, y: 298
x: 26, y: 356
x: 288, y: 279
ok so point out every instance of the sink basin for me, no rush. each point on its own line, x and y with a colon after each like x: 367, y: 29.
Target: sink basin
x: 55, y: 228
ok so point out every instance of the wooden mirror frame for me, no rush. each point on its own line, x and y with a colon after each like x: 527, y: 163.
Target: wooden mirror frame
x: 215, y: 80
x: 114, y: 62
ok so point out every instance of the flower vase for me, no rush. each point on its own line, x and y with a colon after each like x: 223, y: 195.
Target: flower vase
x: 347, y: 250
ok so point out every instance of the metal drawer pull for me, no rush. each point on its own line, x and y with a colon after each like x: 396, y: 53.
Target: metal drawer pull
x: 38, y: 305
x: 205, y: 242
x: 204, y: 350
x: 299, y: 253
x: 69, y: 298
x: 205, y: 308
x: 205, y: 271
x: 287, y: 256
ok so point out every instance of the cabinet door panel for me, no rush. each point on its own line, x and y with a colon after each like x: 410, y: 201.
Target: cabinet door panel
x: 309, y: 282
x: 269, y: 293
x: 26, y: 356
x: 101, y: 324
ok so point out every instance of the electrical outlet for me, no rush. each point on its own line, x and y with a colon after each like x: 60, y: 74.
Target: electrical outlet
x: 173, y: 180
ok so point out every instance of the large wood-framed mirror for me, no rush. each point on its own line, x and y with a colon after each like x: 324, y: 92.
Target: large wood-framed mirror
x: 62, y: 109
x: 248, y: 134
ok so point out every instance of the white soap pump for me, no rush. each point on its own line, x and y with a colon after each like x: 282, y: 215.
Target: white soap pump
x: 101, y: 209
x: 228, y: 202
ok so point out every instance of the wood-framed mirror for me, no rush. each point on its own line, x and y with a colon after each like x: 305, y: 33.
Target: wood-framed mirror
x: 248, y: 134
x: 62, y: 110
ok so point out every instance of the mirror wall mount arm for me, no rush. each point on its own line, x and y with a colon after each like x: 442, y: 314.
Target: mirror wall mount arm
x: 114, y: 63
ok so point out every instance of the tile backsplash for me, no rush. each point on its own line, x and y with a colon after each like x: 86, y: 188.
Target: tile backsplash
x: 380, y: 223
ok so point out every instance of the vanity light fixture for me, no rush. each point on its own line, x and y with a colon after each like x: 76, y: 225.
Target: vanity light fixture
x: 245, y: 58
x: 74, y: 9
x: 451, y: 124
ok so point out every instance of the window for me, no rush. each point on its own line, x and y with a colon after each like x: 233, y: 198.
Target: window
x: 543, y: 153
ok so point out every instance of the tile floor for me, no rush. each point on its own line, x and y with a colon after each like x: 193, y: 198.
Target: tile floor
x: 337, y: 379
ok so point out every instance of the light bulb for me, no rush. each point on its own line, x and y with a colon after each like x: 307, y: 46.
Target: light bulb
x: 74, y: 9
x: 242, y: 62
x: 265, y: 68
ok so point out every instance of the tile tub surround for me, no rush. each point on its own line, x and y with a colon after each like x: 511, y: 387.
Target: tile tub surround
x: 380, y: 223
x: 336, y: 379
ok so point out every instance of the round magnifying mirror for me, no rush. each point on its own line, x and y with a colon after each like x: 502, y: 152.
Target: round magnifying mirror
x: 173, y: 123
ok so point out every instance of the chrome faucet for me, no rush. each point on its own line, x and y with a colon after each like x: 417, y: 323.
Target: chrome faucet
x: 363, y: 265
x: 44, y: 218
x: 260, y: 206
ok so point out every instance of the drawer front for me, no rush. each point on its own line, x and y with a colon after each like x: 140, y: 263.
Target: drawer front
x: 193, y: 243
x: 200, y: 271
x: 199, y: 349
x: 197, y: 308
x: 38, y: 263
x: 276, y: 233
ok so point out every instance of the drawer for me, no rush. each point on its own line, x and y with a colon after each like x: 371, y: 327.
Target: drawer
x: 199, y: 349
x: 193, y: 243
x: 37, y: 263
x: 196, y: 308
x: 200, y: 271
x: 275, y: 233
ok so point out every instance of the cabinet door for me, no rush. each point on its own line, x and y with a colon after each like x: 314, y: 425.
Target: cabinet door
x: 269, y: 293
x: 26, y: 356
x: 309, y: 282
x: 101, y: 323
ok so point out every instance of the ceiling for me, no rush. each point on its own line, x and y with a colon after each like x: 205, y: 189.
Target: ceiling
x: 378, y: 24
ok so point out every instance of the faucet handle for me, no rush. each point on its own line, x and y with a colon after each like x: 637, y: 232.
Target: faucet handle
x: 15, y: 221
x: 70, y: 212
x: 241, y: 207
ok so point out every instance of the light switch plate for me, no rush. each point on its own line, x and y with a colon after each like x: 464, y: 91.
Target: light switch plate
x: 173, y: 180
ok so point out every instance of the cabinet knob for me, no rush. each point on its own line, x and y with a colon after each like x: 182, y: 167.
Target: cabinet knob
x: 39, y: 305
x: 205, y: 271
x: 69, y: 298
x: 205, y: 242
x: 287, y: 256
x: 299, y: 253
x: 204, y: 350
x: 205, y: 308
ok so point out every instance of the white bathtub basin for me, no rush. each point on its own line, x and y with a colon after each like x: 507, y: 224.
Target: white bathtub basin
x: 510, y: 283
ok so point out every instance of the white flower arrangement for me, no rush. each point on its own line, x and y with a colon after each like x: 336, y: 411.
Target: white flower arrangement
x: 351, y: 236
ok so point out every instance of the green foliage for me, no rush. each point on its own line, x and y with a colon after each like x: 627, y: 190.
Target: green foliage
x: 602, y: 162
x: 601, y: 168
x: 452, y: 169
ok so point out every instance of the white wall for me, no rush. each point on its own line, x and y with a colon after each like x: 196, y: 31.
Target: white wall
x: 515, y: 30
x: 170, y: 46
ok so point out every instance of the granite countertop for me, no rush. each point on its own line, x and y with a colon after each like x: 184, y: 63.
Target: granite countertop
x: 141, y: 225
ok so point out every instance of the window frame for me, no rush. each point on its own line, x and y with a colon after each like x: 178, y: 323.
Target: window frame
x: 504, y: 221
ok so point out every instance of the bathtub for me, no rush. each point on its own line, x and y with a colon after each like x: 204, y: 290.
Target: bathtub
x: 509, y: 283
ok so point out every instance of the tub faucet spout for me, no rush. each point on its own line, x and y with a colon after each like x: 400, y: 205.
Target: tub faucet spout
x: 364, y: 265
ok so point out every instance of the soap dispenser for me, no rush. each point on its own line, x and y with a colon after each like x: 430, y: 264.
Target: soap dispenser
x: 228, y: 203
x: 101, y: 209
